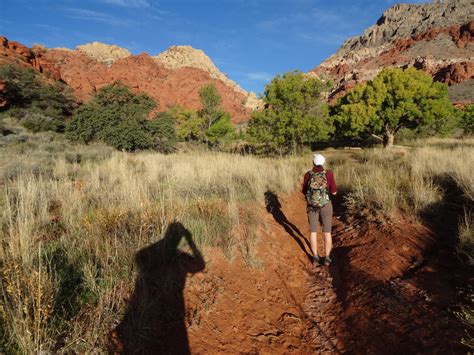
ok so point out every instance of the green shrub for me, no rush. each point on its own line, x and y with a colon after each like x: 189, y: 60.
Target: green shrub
x: 467, y: 119
x: 163, y: 132
x: 127, y: 135
x: 38, y: 122
x: 190, y: 126
x: 39, y: 105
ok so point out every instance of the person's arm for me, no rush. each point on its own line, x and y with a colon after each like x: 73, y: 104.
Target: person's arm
x: 331, y: 182
x: 198, y: 262
x: 305, y: 183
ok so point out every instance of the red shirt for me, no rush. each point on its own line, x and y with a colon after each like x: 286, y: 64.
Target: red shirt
x: 329, y: 177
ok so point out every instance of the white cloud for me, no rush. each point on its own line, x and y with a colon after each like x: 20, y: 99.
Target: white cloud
x: 128, y: 3
x: 90, y: 15
x: 259, y: 76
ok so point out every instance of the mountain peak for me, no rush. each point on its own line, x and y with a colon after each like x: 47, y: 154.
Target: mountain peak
x: 106, y: 53
x: 176, y: 57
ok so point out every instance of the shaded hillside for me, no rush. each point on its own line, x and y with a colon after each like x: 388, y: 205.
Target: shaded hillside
x: 436, y: 37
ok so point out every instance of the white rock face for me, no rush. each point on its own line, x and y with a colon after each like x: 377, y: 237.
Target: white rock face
x: 186, y: 56
x: 105, y: 53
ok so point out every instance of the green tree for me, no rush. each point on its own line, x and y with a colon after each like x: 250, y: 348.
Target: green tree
x: 220, y: 129
x: 190, y: 126
x: 295, y: 113
x: 395, y: 99
x: 118, y: 117
x: 210, y: 101
x: 38, y: 104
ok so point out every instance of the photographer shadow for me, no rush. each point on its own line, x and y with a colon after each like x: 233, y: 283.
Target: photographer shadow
x: 155, y: 318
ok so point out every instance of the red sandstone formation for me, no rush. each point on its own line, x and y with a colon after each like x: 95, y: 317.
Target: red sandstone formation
x: 85, y: 75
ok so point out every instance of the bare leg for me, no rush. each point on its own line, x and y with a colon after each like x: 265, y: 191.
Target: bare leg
x: 314, y: 243
x: 328, y: 243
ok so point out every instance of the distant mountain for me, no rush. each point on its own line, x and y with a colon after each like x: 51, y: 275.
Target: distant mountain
x: 172, y: 77
x: 437, y: 37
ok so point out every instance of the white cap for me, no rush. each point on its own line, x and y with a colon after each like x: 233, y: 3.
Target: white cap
x: 318, y: 159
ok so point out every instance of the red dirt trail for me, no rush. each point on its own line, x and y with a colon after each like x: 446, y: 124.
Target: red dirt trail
x: 384, y: 293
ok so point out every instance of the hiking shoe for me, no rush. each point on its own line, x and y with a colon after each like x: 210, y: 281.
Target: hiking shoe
x: 316, y: 261
x: 327, y: 261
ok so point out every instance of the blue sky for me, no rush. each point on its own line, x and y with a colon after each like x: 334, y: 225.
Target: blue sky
x: 249, y: 40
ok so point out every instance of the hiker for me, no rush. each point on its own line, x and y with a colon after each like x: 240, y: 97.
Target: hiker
x: 318, y: 183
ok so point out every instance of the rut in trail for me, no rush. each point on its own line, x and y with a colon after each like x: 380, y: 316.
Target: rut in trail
x: 321, y: 308
x: 390, y: 289
x: 327, y: 332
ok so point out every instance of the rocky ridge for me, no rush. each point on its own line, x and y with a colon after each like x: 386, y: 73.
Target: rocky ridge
x: 436, y: 37
x: 406, y: 20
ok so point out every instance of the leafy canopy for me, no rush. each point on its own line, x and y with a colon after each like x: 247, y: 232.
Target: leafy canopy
x: 395, y: 99
x: 295, y: 113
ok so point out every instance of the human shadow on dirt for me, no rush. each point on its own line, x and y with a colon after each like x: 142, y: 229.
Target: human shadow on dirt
x: 154, y: 322
x: 273, y: 206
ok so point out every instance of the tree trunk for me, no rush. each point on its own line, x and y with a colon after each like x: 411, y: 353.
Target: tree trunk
x: 388, y: 139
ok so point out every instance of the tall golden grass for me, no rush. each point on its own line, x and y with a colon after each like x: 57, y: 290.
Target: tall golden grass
x: 406, y: 179
x: 70, y: 231
x: 73, y: 218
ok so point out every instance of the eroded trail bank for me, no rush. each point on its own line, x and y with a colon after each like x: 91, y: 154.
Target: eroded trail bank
x: 386, y: 292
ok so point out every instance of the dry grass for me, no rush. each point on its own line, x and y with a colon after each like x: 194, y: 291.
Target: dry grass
x: 71, y: 227
x: 388, y: 181
x: 73, y: 218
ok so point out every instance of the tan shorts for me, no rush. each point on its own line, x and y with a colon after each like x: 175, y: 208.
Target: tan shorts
x: 325, y: 214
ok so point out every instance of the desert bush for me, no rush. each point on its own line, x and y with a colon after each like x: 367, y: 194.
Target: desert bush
x: 118, y: 117
x: 467, y: 119
x: 163, y: 130
x: 39, y: 105
x: 115, y: 116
